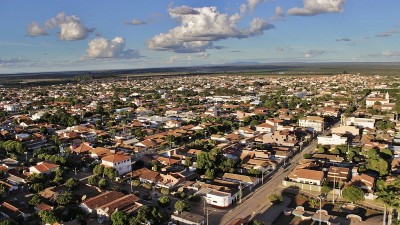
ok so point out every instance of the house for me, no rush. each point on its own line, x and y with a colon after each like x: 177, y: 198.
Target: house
x: 90, y: 205
x: 247, y: 181
x: 281, y: 138
x: 170, y: 180
x: 121, y: 163
x: 43, y: 167
x: 307, y: 176
x: 188, y: 218
x: 338, y: 174
x: 127, y: 204
x: 332, y: 140
x: 15, y: 210
x: 314, y: 123
x: 265, y: 128
x: 358, y: 122
x: 364, y: 182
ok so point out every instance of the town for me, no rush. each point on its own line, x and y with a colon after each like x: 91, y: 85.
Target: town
x: 194, y: 149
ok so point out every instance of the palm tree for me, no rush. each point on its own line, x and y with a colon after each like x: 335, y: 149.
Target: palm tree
x: 391, y: 200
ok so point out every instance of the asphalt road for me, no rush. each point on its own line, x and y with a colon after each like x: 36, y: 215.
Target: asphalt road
x: 258, y: 201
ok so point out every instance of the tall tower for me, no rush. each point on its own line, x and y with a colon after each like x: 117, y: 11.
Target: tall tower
x: 387, y: 96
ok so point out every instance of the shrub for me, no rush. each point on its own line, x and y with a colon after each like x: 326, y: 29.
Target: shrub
x: 275, y: 199
x: 194, y: 198
x: 147, y: 186
x: 135, y: 183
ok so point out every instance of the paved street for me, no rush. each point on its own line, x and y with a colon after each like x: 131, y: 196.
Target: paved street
x: 258, y: 201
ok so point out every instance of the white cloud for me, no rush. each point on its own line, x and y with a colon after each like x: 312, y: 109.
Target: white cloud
x: 253, y: 3
x: 200, y: 27
x: 135, y: 22
x: 34, y: 30
x: 313, y: 53
x: 314, y: 7
x: 279, y: 13
x: 390, y: 53
x: 103, y: 48
x: 71, y: 27
x: 202, y: 55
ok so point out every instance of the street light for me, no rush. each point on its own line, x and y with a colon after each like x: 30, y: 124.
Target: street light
x: 320, y: 207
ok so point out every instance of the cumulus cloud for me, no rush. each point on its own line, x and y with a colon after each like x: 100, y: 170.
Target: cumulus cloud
x: 34, y: 30
x: 253, y: 3
x: 314, y: 7
x: 313, y: 53
x: 71, y: 27
x: 135, y: 22
x: 279, y: 13
x: 387, y: 33
x: 199, y: 27
x: 104, y: 48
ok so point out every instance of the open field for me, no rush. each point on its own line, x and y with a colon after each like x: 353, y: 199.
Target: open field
x: 275, y: 70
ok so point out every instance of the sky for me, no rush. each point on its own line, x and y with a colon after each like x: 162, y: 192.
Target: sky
x: 71, y: 35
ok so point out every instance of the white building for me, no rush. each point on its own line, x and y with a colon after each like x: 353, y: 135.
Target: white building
x: 219, y: 198
x: 358, y: 122
x: 332, y: 140
x: 314, y: 123
x: 121, y: 163
x: 371, y: 100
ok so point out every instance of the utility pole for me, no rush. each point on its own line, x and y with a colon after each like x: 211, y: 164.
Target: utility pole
x: 240, y: 192
x: 334, y: 182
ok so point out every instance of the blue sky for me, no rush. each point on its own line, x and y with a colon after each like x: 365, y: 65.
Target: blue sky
x: 44, y: 35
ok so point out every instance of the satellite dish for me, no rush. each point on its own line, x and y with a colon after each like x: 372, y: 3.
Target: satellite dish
x: 83, y: 197
x: 106, y: 209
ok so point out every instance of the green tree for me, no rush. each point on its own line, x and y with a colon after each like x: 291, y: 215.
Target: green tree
x: 379, y: 165
x: 210, y: 173
x: 110, y: 172
x: 353, y: 194
x: 37, y: 187
x: 48, y: 216
x: 103, y: 183
x: 65, y: 198
x: 92, y: 180
x: 35, y: 200
x: 164, y: 201
x: 256, y: 222
x: 314, y: 203
x: 8, y: 222
x: 386, y: 153
x: 98, y: 170
x: 119, y: 218
x: 275, y: 198
x: 181, y: 206
x: 325, y: 189
x: 72, y: 183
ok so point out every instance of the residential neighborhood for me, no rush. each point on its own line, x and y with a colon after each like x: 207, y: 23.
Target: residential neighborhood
x: 191, y: 149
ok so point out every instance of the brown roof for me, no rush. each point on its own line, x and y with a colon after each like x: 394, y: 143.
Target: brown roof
x: 307, y: 174
x: 115, y: 158
x: 125, y: 203
x: 44, y: 166
x: 102, y: 199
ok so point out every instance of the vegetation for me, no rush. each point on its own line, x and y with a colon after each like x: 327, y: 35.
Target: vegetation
x: 353, y: 194
x: 275, y: 198
x: 181, y: 206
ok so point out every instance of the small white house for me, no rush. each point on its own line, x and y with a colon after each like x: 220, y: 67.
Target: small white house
x: 121, y: 163
x: 332, y: 140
